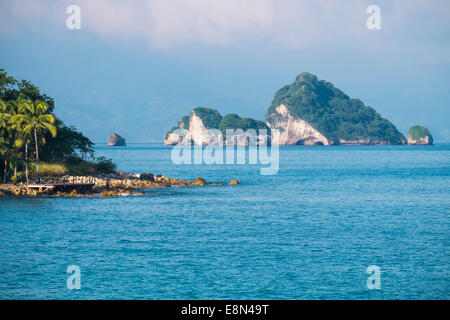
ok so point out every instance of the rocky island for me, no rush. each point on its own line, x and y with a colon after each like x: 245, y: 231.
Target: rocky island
x: 419, y: 135
x: 314, y: 112
x: 307, y: 112
x: 200, y: 119
x: 115, y: 140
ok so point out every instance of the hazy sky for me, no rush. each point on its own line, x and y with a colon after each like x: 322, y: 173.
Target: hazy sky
x: 136, y: 67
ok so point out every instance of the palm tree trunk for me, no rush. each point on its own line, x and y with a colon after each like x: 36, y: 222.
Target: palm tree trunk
x: 37, y: 155
x: 5, y: 170
x: 26, y: 160
x: 15, y: 163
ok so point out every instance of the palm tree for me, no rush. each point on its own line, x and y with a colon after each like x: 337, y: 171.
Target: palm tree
x: 16, y: 140
x: 5, y: 134
x: 33, y: 118
x: 3, y: 114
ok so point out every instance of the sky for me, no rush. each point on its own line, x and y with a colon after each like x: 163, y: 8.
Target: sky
x: 136, y: 67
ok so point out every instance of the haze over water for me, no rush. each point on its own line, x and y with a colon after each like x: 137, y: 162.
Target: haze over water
x: 308, y: 232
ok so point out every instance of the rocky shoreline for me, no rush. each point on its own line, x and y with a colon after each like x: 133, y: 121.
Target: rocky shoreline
x: 101, y: 186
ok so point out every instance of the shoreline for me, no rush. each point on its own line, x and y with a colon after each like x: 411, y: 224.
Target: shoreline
x: 117, y: 184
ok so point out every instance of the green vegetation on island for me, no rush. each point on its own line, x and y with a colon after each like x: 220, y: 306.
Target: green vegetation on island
x: 332, y: 112
x: 210, y: 117
x: 417, y: 132
x: 34, y: 142
x: 184, y: 122
x: 314, y: 112
x: 233, y: 121
x: 419, y: 135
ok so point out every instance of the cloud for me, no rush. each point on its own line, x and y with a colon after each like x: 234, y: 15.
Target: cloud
x: 175, y: 22
x: 171, y: 23
x: 290, y: 23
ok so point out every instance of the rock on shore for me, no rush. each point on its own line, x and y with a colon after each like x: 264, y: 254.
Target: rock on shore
x: 111, y: 185
x: 199, y: 182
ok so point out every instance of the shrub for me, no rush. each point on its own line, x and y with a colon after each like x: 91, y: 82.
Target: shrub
x: 104, y: 165
x: 52, y: 170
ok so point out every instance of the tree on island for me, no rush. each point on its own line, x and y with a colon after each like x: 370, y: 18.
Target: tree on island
x: 27, y: 120
x: 34, y: 117
x: 5, y: 134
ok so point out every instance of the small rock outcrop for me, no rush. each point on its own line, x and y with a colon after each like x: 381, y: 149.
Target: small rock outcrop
x: 116, y: 140
x: 419, y: 135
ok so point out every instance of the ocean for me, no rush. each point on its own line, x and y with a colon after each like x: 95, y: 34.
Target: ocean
x: 308, y: 232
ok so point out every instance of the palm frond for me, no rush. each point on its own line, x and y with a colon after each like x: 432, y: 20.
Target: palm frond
x: 49, y: 118
x: 41, y: 107
x: 49, y: 127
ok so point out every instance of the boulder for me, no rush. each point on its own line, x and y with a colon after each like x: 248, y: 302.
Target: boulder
x: 147, y: 176
x: 182, y: 182
x: 199, y: 182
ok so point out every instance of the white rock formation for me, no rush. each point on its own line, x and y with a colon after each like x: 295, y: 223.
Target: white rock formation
x: 247, y: 138
x: 199, y: 133
x: 173, y: 138
x: 421, y: 141
x: 293, y: 130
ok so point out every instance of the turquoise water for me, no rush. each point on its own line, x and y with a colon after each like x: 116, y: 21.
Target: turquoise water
x: 308, y: 232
